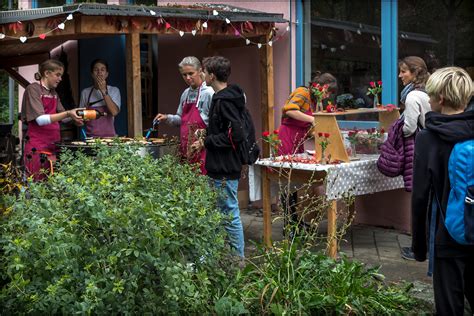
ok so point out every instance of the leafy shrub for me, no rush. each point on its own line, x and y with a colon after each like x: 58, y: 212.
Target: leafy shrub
x: 291, y: 279
x: 117, y: 233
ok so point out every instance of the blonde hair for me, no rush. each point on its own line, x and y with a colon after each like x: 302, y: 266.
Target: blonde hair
x: 48, y: 65
x: 454, y: 84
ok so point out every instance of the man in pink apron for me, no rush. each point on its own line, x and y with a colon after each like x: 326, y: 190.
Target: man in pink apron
x: 103, y: 98
x: 42, y: 110
x: 192, y: 115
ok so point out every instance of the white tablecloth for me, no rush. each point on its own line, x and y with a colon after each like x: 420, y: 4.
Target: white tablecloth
x: 356, y: 177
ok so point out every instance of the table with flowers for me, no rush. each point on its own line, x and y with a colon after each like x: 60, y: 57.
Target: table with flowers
x: 357, y: 177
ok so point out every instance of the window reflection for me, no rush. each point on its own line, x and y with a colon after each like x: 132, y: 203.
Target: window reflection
x: 345, y: 41
x: 446, y: 29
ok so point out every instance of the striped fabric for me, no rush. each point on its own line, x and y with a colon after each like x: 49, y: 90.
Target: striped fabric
x: 299, y: 99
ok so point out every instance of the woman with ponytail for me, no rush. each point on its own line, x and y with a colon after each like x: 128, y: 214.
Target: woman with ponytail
x: 42, y: 111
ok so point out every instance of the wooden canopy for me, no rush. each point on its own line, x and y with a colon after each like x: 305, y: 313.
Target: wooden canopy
x: 27, y: 37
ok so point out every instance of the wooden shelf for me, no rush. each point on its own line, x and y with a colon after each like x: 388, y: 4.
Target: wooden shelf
x: 327, y: 123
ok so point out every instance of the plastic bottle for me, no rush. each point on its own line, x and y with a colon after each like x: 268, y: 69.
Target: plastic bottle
x: 89, y: 115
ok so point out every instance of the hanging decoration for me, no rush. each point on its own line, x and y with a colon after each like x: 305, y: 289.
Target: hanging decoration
x: 55, y: 24
x: 238, y: 29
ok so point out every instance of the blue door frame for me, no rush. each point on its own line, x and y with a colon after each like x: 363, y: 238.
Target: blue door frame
x: 390, y: 51
x: 389, y: 31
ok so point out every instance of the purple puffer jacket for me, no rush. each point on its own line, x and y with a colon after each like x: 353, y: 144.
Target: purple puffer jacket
x: 392, y: 159
x: 396, y: 155
x: 409, y: 153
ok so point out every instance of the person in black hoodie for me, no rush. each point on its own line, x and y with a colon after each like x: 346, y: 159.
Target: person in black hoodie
x: 224, y: 133
x: 453, y: 273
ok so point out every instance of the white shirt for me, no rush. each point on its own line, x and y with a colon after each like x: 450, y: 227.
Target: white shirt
x: 96, y: 95
x: 416, y: 106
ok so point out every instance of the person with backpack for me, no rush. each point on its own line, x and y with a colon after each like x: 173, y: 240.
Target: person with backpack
x: 225, y: 134
x: 296, y: 122
x: 443, y: 190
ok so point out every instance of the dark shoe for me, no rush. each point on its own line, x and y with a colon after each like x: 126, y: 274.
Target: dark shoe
x: 407, y: 253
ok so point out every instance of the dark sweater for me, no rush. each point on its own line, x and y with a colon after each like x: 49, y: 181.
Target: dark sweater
x: 432, y: 150
x: 222, y: 160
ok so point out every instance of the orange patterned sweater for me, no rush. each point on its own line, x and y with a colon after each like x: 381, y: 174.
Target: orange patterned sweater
x: 299, y: 99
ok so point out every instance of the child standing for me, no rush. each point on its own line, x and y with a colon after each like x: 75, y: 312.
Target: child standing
x: 42, y: 110
x: 449, y: 90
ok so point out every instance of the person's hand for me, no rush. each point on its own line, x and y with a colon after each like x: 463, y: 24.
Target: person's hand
x: 197, y: 145
x: 161, y: 117
x: 200, y: 133
x: 78, y: 120
x: 101, y: 84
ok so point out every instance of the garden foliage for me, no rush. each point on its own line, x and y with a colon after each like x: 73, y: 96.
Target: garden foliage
x: 116, y: 233
x: 292, y: 279
x: 123, y: 234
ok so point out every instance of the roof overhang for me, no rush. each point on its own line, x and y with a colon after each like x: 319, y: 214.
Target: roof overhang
x: 40, y: 26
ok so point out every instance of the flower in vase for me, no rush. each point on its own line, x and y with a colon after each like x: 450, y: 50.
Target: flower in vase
x: 273, y: 140
x: 324, y: 142
x: 375, y: 88
x: 319, y: 92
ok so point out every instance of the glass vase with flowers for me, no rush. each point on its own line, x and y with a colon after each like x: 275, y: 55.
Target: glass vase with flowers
x: 318, y: 94
x: 273, y: 141
x: 375, y: 89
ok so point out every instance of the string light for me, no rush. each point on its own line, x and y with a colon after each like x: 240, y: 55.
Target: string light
x: 42, y: 36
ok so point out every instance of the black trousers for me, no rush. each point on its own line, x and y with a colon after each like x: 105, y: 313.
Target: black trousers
x: 453, y: 279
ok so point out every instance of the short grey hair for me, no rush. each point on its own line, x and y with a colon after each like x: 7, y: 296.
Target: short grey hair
x: 190, y: 61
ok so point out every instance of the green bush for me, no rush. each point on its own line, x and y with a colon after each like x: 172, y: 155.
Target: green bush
x: 117, y: 233
x: 291, y: 279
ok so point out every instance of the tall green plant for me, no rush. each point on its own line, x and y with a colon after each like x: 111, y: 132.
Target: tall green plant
x: 116, y: 233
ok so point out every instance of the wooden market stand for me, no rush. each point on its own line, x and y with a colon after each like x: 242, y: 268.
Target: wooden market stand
x: 325, y: 123
x: 96, y: 20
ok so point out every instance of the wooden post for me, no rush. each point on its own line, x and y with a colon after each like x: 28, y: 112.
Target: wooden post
x: 134, y: 90
x: 332, y: 238
x: 267, y: 208
x: 267, y: 104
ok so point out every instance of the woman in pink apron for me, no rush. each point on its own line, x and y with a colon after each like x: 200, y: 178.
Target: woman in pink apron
x: 103, y: 98
x: 297, y: 120
x: 192, y: 115
x: 42, y: 110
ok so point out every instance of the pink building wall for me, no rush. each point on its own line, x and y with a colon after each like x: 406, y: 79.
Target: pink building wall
x: 245, y: 61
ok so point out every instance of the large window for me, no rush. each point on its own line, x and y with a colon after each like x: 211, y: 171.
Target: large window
x: 345, y: 41
x: 445, y: 31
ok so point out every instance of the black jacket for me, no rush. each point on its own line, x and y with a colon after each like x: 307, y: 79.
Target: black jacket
x: 224, y: 132
x: 432, y: 150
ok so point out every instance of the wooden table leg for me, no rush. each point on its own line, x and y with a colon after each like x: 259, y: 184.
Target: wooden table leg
x: 267, y: 209
x: 332, y: 240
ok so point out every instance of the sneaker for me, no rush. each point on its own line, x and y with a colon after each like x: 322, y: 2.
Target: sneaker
x: 407, y: 253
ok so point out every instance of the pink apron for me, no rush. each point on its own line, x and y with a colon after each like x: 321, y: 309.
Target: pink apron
x: 292, y: 134
x: 40, y: 148
x: 104, y: 125
x: 191, y: 121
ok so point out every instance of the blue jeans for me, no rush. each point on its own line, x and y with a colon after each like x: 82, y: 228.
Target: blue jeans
x: 229, y: 206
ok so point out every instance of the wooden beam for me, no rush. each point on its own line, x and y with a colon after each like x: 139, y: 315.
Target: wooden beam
x: 25, y: 60
x: 134, y: 88
x: 17, y: 77
x: 267, y: 90
x: 332, y: 229
x: 267, y: 103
